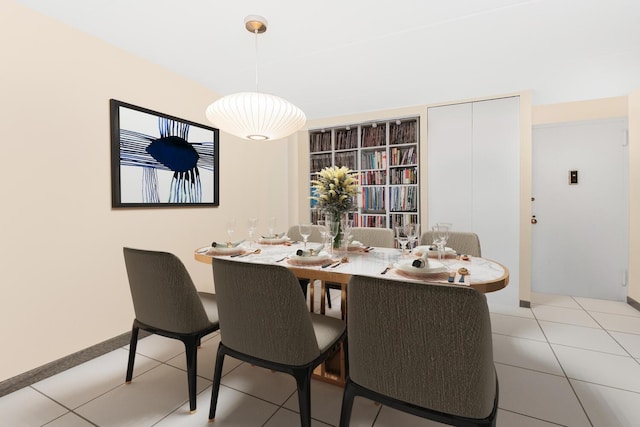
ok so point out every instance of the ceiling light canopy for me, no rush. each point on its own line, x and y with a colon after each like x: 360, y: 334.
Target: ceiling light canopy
x: 254, y: 115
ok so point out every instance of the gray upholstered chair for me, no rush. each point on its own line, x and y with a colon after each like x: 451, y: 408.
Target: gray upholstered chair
x: 167, y: 303
x: 461, y: 241
x: 371, y: 236
x: 265, y: 321
x: 433, y: 358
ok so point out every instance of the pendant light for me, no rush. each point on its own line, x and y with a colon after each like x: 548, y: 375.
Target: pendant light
x: 254, y: 115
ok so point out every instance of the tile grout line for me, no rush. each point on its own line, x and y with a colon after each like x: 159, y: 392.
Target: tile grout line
x: 609, y: 332
x: 69, y: 410
x: 534, y: 418
x: 562, y: 367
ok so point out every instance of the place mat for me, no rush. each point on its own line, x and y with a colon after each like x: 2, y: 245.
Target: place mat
x: 224, y: 251
x: 440, y: 278
x: 310, y: 263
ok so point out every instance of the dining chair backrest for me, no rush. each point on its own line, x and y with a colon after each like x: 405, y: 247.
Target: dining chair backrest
x: 461, y: 241
x: 263, y: 313
x: 163, y: 293
x: 294, y: 234
x: 435, y: 352
x: 373, y: 236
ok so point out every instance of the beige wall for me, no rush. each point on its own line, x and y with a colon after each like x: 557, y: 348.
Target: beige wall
x: 595, y: 109
x: 634, y: 195
x: 63, y: 284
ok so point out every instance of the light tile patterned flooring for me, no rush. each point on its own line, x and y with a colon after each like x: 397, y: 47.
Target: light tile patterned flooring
x: 567, y: 361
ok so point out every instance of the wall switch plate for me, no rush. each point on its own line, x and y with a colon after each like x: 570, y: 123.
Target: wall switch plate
x: 573, y: 177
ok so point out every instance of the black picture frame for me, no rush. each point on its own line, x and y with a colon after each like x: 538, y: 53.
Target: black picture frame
x: 160, y: 161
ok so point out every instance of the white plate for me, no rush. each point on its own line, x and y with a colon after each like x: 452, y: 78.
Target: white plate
x: 434, y: 267
x: 432, y: 251
x: 322, y: 256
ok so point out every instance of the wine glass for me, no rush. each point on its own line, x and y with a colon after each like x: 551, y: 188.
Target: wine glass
x: 231, y: 228
x: 252, y: 225
x: 442, y: 231
x: 305, y: 232
x: 322, y: 226
x: 414, y: 236
x: 346, y: 225
x: 273, y: 221
x: 332, y: 232
x: 402, y: 236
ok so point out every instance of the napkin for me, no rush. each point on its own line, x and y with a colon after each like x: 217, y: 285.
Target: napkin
x: 421, y: 262
x: 275, y: 236
x: 310, y: 251
x: 226, y: 244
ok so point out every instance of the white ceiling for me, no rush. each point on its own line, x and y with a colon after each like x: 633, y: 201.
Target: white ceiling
x: 333, y: 57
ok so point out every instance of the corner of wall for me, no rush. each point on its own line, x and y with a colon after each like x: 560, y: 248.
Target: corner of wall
x: 634, y: 195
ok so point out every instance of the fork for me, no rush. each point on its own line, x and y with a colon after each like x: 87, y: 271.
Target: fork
x: 389, y: 267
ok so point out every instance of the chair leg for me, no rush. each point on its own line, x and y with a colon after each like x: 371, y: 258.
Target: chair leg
x: 303, y: 382
x: 133, y: 344
x: 191, y: 351
x: 217, y: 376
x: 347, y: 404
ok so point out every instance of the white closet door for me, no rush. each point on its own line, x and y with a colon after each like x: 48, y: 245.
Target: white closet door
x: 474, y: 178
x: 496, y: 187
x: 450, y: 165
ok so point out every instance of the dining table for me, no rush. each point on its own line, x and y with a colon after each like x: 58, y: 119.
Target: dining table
x: 482, y: 274
x: 337, y: 267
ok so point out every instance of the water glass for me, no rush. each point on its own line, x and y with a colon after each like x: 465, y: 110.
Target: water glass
x: 252, y: 225
x: 272, y: 223
x: 305, y: 232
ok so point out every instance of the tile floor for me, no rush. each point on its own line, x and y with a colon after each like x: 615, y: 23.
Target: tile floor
x: 567, y: 361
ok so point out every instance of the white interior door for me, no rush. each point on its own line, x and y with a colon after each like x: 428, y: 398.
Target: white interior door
x: 580, y: 242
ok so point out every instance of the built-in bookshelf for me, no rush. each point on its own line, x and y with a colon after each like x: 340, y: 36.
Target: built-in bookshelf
x: 385, y: 153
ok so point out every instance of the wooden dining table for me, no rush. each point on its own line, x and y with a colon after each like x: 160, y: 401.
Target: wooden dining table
x: 483, y: 274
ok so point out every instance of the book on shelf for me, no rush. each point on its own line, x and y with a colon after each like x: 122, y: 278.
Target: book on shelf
x: 374, y: 160
x: 373, y: 177
x: 319, y: 162
x: 373, y: 199
x: 346, y: 139
x: 403, y: 176
x: 379, y: 221
x: 403, y: 132
x: 348, y: 159
x: 320, y: 141
x: 403, y: 156
x: 374, y: 136
x: 403, y: 199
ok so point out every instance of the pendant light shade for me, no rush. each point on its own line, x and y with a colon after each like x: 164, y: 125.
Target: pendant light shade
x: 254, y: 115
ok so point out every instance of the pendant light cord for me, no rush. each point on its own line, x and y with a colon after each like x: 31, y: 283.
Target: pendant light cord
x: 255, y: 32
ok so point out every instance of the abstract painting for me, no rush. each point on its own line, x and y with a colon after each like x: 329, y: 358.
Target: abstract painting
x: 159, y: 160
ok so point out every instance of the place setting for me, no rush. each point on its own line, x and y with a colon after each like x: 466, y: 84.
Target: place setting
x: 272, y: 237
x: 223, y: 248
x: 311, y: 256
